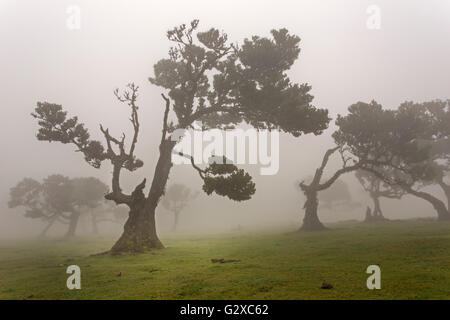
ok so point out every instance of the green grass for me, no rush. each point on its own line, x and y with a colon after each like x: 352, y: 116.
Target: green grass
x: 414, y: 257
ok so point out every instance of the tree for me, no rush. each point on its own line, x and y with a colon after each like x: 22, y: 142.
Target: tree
x: 368, y: 138
x: 400, y: 157
x: 27, y: 193
x: 311, y: 220
x: 176, y: 199
x: 50, y: 201
x: 57, y: 199
x: 207, y: 80
x: 377, y: 189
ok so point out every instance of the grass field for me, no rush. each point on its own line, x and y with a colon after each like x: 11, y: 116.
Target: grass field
x: 414, y: 258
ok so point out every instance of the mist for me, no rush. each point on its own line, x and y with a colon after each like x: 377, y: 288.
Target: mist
x: 118, y: 42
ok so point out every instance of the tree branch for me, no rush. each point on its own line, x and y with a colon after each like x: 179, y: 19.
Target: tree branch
x: 166, y: 115
x: 336, y: 175
x: 198, y: 169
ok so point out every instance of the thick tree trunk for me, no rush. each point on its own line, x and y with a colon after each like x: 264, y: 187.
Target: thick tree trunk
x: 311, y: 220
x: 139, y: 234
x: 73, y: 223
x: 438, y: 205
x: 446, y: 188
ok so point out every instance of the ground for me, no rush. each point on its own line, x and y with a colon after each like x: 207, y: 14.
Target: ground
x: 414, y: 257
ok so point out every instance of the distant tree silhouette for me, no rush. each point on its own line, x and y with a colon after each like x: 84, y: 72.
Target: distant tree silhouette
x: 175, y: 199
x: 108, y: 212
x: 57, y: 199
x: 208, y: 80
x: 89, y: 195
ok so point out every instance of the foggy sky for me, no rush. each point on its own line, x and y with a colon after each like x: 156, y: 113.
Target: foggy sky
x: 119, y: 41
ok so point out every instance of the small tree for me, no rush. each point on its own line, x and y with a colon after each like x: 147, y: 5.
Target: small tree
x: 377, y: 189
x: 208, y: 80
x: 176, y: 198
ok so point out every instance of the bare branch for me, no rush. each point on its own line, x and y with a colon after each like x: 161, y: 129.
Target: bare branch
x: 199, y: 170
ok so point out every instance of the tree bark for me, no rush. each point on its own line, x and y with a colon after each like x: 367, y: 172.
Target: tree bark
x: 73, y: 223
x: 311, y: 220
x: 139, y: 233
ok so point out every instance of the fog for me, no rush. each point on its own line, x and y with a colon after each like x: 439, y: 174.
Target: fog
x: 41, y: 59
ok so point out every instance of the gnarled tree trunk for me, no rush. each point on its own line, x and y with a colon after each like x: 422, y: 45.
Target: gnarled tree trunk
x: 139, y: 234
x: 311, y: 220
